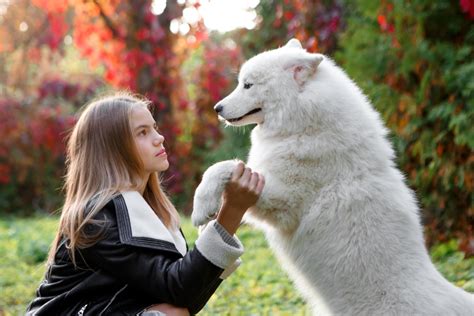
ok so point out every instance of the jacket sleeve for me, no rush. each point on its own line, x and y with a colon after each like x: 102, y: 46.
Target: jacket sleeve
x: 162, y: 275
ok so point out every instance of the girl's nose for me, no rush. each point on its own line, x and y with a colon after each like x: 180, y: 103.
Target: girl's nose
x: 159, y: 140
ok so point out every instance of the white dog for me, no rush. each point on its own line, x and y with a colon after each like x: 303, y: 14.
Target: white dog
x: 335, y: 209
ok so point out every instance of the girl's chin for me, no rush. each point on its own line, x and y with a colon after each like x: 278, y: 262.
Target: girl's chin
x: 163, y: 166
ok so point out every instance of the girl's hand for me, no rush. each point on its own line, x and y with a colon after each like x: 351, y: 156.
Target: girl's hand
x: 241, y: 192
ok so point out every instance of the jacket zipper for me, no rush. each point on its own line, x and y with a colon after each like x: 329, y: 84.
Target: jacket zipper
x: 81, y: 311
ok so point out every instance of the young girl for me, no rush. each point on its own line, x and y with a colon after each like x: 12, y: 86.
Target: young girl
x: 119, y: 249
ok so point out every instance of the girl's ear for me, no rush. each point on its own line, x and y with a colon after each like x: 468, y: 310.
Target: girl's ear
x: 304, y: 67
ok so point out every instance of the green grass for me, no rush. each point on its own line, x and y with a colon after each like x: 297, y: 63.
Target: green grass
x: 24, y: 245
x: 258, y: 287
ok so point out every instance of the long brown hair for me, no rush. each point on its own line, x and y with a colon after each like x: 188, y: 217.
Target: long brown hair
x: 102, y: 160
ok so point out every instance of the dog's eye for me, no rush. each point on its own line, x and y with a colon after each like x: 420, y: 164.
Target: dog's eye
x: 248, y: 85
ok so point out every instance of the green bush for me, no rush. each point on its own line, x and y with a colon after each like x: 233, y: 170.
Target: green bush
x: 414, y: 60
x: 236, y: 145
x: 24, y: 244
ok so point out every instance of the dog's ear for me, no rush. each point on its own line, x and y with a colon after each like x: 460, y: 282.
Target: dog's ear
x: 293, y: 43
x: 304, y: 67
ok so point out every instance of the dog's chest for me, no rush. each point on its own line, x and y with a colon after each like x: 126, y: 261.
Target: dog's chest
x: 277, y: 157
x: 266, y: 153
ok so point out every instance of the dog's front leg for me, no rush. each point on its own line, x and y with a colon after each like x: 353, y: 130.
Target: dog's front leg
x: 207, y: 198
x: 278, y: 205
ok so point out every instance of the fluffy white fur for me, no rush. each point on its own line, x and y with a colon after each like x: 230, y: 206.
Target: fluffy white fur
x: 335, y: 209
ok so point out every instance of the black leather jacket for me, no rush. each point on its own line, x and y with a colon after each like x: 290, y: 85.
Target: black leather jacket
x: 123, y: 274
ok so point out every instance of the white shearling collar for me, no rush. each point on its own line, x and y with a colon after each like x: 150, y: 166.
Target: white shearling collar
x: 144, y: 224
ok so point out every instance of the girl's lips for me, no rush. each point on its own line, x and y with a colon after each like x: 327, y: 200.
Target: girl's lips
x: 161, y: 152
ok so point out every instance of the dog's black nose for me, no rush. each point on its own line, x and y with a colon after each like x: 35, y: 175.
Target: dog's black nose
x: 218, y: 108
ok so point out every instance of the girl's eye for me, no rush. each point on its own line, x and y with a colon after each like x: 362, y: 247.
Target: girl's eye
x: 143, y: 132
x: 248, y: 85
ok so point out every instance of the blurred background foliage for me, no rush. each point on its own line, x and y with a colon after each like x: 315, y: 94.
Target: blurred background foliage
x: 414, y: 60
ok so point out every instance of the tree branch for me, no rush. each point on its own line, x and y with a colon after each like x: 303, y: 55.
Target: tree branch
x: 107, y: 20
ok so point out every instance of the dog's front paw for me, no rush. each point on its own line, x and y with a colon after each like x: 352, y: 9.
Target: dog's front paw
x: 205, y: 206
x: 207, y: 198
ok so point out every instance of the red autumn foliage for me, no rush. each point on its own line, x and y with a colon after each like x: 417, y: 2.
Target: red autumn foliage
x: 315, y: 24
x: 467, y: 7
x: 31, y: 154
x: 138, y: 53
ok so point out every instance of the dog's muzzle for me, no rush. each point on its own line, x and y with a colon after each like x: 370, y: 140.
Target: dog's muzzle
x: 241, y: 117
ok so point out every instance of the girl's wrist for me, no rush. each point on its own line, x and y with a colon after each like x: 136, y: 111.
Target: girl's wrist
x: 230, y: 218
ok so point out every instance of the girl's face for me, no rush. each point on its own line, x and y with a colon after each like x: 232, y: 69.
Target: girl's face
x: 149, y: 142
